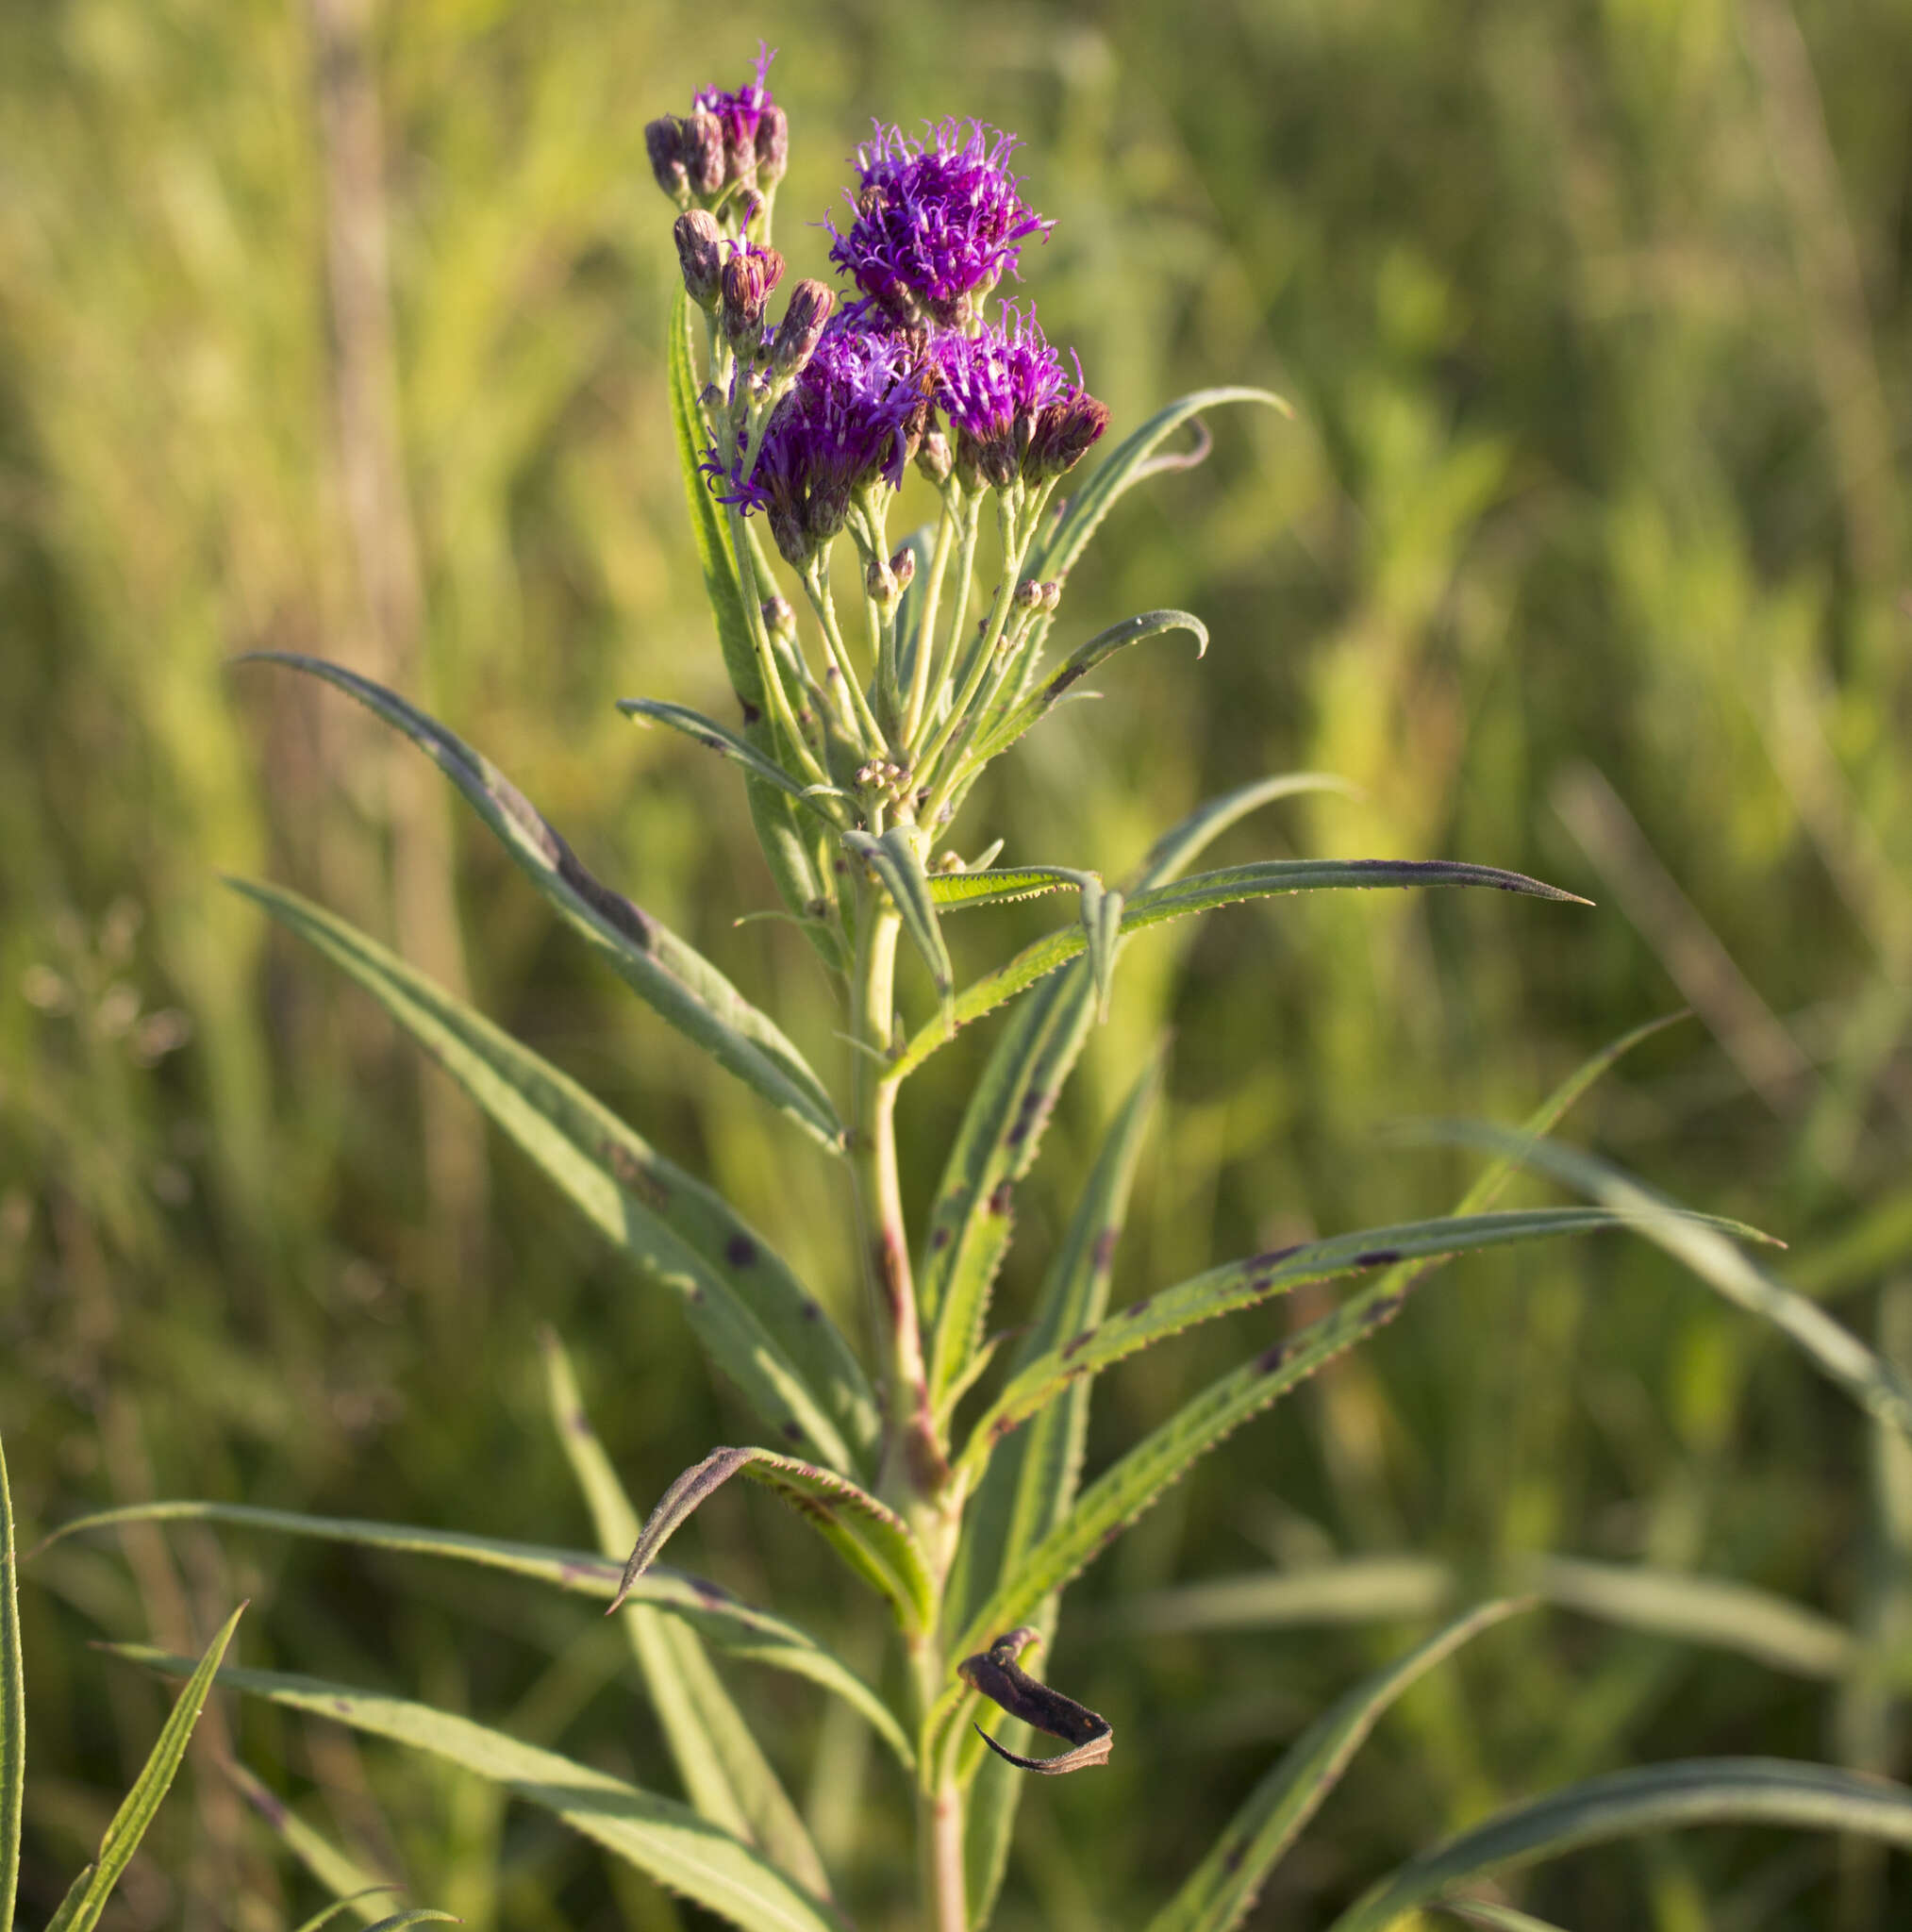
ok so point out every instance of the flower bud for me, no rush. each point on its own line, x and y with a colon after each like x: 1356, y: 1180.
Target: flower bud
x: 801, y: 327
x: 701, y: 140
x: 772, y: 146
x: 779, y: 619
x: 1028, y: 595
x: 748, y: 205
x: 749, y: 277
x: 665, y: 144
x: 700, y: 253
x: 1052, y: 594
x: 933, y: 458
x: 902, y: 567
x: 1064, y: 434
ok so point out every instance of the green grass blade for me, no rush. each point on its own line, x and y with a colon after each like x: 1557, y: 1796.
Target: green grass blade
x: 12, y: 1709
x: 998, y: 886
x: 1493, y: 1917
x: 350, y: 1884
x: 1241, y: 1284
x: 748, y: 1310
x: 81, y: 1909
x: 1130, y: 1485
x: 727, y: 744
x: 801, y: 883
x: 723, y: 1768
x: 672, y: 979
x: 680, y: 1850
x: 1123, y: 467
x: 1079, y: 664
x: 973, y: 1214
x: 1186, y: 841
x: 1203, y: 893
x: 1658, y: 1797
x: 720, y: 1618
x: 1029, y: 1488
x: 1872, y: 1382
x: 417, y: 1915
x: 1221, y: 1890
x: 893, y: 860
x: 868, y: 1535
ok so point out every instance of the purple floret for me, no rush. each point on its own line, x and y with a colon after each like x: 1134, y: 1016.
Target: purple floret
x: 854, y: 416
x: 743, y: 110
x: 938, y: 222
x: 989, y: 383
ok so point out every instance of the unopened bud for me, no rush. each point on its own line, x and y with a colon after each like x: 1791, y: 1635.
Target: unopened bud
x: 1052, y: 594
x: 933, y: 460
x: 665, y: 144
x: 749, y: 205
x: 1028, y: 595
x: 801, y: 327
x: 749, y: 276
x: 701, y: 140
x: 779, y: 619
x: 700, y: 253
x: 1064, y: 434
x: 880, y: 581
x: 902, y: 567
x: 773, y: 146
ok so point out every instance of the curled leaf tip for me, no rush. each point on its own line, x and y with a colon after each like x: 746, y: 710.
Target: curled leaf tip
x: 995, y: 1674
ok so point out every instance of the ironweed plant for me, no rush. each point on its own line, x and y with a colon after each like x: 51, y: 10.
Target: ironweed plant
x: 943, y: 1464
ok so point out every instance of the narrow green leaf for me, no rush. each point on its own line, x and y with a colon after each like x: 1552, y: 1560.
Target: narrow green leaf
x: 802, y: 886
x: 1130, y: 1485
x: 338, y: 1907
x: 725, y: 1772
x: 727, y: 744
x: 670, y: 977
x: 750, y: 1312
x: 1479, y: 1911
x: 893, y: 858
x: 1872, y: 1382
x: 1102, y: 932
x: 1185, y: 841
x: 1078, y: 664
x: 81, y: 1910
x: 722, y: 1619
x: 1029, y: 1487
x: 1655, y: 1798
x: 952, y: 890
x: 1221, y: 1890
x: 1241, y: 1284
x: 869, y: 1536
x: 1124, y: 466
x: 1203, y: 893
x: 351, y: 1885
x: 417, y: 1915
x: 12, y: 1709
x: 669, y: 1840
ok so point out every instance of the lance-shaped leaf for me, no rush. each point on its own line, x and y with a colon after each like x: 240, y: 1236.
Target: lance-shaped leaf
x: 753, y: 1315
x: 1124, y: 466
x: 353, y: 1888
x: 12, y: 1709
x: 1203, y: 892
x: 723, y: 1768
x: 415, y: 1915
x: 801, y: 883
x: 1874, y: 1384
x: 869, y: 1537
x: 995, y: 1146
x: 669, y: 1840
x: 1130, y: 1485
x: 952, y: 890
x: 722, y: 1621
x: 1241, y: 1284
x: 1493, y: 1918
x: 81, y: 1910
x: 672, y: 978
x: 340, y: 1906
x: 1078, y: 664
x: 1628, y: 1804
x: 727, y: 744
x: 995, y: 1673
x: 1032, y: 1481
x: 1219, y: 1894
x: 893, y: 860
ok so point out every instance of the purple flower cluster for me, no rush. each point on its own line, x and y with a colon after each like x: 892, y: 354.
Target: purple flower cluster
x: 728, y: 139
x: 993, y: 386
x: 855, y: 415
x: 753, y: 123
x: 938, y: 222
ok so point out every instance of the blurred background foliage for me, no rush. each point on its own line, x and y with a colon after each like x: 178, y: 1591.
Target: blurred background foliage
x: 338, y: 330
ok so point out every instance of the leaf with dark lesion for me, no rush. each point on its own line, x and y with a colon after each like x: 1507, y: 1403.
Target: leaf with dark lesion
x: 997, y: 1676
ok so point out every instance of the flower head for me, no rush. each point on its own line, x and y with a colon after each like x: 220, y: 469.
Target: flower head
x: 756, y: 130
x: 1012, y: 407
x: 938, y: 222
x: 851, y: 418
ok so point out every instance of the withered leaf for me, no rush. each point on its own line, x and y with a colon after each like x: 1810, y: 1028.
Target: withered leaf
x: 998, y: 1677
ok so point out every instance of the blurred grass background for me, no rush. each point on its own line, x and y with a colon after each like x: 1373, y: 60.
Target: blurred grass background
x: 329, y: 330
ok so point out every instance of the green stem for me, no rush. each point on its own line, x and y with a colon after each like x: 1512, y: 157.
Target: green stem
x: 766, y: 659
x: 945, y: 657
x: 817, y: 587
x: 925, y: 628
